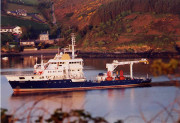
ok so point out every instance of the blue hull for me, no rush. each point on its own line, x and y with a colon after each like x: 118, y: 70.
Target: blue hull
x: 51, y: 85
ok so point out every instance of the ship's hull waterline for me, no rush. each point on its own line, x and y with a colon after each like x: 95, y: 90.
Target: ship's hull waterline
x: 68, y: 85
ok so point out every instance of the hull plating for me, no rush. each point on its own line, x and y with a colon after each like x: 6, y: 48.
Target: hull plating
x: 53, y: 85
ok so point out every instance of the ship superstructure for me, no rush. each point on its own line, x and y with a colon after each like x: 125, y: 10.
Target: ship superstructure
x: 62, y: 66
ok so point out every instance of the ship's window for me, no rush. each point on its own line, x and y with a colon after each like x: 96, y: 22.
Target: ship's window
x: 78, y: 70
x: 42, y: 77
x: 32, y: 77
x: 21, y: 78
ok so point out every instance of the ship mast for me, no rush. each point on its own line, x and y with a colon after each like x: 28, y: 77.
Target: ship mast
x: 73, y: 43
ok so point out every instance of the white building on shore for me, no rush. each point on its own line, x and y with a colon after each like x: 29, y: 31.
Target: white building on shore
x: 12, y: 29
x: 44, y: 36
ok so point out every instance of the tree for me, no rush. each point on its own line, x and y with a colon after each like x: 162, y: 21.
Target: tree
x: 6, y: 37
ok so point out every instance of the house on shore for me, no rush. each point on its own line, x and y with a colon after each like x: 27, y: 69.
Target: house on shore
x: 44, y: 38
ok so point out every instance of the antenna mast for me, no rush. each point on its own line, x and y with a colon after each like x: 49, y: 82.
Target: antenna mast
x: 73, y: 43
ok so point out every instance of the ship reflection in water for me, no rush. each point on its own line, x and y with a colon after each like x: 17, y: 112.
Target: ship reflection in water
x: 45, y: 103
x: 106, y: 103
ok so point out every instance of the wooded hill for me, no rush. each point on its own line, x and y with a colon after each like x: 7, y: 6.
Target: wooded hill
x: 112, y: 9
x: 121, y: 25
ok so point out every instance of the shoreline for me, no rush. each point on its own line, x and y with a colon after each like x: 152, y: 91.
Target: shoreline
x: 31, y: 53
x: 97, y: 54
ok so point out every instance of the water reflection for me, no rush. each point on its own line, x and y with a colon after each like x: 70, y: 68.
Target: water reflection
x: 65, y: 100
x: 45, y: 103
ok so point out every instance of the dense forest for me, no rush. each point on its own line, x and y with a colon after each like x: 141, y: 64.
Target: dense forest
x: 112, y: 9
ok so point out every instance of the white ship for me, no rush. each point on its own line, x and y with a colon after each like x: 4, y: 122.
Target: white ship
x: 65, y: 72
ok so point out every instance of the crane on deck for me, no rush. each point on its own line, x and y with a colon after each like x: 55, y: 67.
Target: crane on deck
x: 111, y: 66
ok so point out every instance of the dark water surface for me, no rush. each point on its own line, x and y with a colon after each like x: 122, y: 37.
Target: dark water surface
x: 128, y: 104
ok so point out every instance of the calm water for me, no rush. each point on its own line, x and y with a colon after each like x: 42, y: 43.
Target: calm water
x: 127, y: 104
